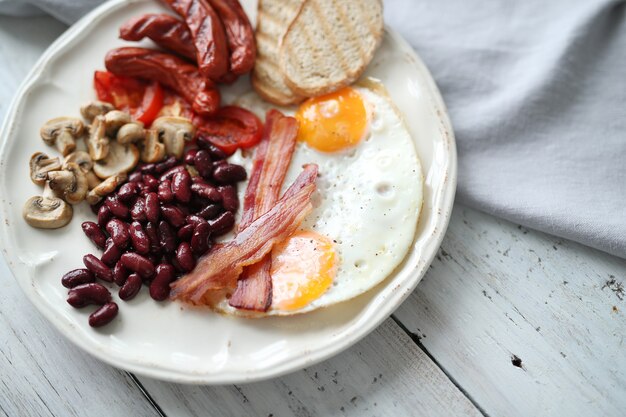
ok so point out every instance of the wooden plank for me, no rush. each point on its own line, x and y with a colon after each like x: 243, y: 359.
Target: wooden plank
x: 498, y: 295
x: 386, y: 374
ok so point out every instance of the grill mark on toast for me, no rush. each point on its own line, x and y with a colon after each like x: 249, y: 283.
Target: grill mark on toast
x: 347, y: 24
x: 321, y: 19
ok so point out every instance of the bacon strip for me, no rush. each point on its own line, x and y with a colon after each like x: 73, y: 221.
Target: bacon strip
x: 272, y: 159
x: 165, y: 30
x: 222, y: 266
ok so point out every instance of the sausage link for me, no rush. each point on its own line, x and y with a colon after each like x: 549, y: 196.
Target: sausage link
x: 169, y: 70
x: 165, y: 30
x: 239, y: 35
x: 208, y: 35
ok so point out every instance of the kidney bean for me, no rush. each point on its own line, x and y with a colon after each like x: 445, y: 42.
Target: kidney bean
x: 95, y: 207
x: 120, y: 274
x: 167, y: 238
x: 136, y: 176
x: 160, y: 286
x: 206, y: 191
x: 222, y: 223
x: 104, y: 215
x: 194, y: 220
x: 184, y: 257
x: 98, y: 268
x: 77, y: 277
x: 203, y: 163
x: 185, y: 232
x: 165, y: 192
x: 215, y: 152
x: 173, y: 215
x: 189, y: 156
x: 137, y: 263
x: 147, y: 169
x: 86, y: 294
x: 153, y: 236
x: 176, y: 265
x: 119, y: 233
x: 139, y: 239
x: 118, y: 208
x: 210, y: 211
x: 181, y: 186
x: 200, y: 242
x: 170, y: 173
x: 104, y: 315
x: 151, y: 182
x: 230, y: 199
x: 127, y: 191
x: 163, y: 166
x: 138, y: 210
x: 111, y: 253
x: 143, y: 188
x: 94, y: 233
x: 152, y: 207
x: 131, y: 288
x: 229, y: 173
x: 184, y: 208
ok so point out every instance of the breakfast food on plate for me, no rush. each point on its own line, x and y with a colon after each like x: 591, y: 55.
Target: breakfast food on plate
x: 329, y: 44
x: 363, y: 222
x: 313, y: 47
x: 332, y: 195
x: 273, y: 20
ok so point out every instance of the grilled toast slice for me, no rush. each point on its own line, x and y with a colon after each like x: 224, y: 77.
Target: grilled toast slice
x: 273, y: 19
x: 329, y: 44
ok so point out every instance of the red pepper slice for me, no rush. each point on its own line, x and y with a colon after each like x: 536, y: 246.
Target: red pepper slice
x: 141, y: 99
x: 230, y: 129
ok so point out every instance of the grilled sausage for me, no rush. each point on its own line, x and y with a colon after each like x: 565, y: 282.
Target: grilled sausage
x: 208, y: 35
x: 169, y: 70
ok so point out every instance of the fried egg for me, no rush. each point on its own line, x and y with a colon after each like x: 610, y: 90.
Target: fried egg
x: 367, y: 203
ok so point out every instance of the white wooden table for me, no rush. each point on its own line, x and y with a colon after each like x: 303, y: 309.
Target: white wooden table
x: 507, y: 322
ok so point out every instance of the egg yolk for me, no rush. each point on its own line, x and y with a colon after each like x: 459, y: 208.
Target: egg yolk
x: 303, y: 268
x: 334, y: 121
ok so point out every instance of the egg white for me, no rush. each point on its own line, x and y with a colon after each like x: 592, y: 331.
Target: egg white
x: 368, y: 199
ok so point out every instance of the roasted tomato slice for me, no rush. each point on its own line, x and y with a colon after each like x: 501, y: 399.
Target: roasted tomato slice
x: 143, y: 100
x: 230, y: 129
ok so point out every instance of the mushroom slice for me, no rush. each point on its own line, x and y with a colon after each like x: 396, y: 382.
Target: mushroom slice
x: 83, y: 160
x: 174, y: 132
x: 121, y: 159
x: 62, y: 132
x: 114, y: 120
x: 47, y: 211
x: 105, y: 188
x: 95, y: 108
x: 98, y: 143
x: 131, y: 133
x: 40, y: 165
x: 153, y: 150
x: 71, y: 183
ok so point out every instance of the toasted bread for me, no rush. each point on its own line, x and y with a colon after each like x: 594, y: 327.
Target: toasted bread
x: 329, y: 44
x: 273, y: 19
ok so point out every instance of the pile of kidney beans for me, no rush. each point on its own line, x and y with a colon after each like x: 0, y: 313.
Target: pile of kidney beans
x: 154, y: 227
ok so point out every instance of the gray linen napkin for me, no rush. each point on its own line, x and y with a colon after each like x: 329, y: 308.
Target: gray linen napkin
x: 537, y: 95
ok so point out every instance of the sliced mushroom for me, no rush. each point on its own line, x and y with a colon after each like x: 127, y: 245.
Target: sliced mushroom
x: 70, y: 182
x: 62, y: 132
x: 47, y: 211
x: 121, y: 159
x: 174, y: 132
x: 131, y: 133
x: 114, y: 120
x: 98, y: 143
x: 153, y: 150
x: 40, y: 165
x: 105, y: 188
x: 83, y: 160
x: 95, y: 108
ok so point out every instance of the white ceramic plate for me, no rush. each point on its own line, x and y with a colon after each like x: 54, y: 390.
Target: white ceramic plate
x: 165, y: 340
